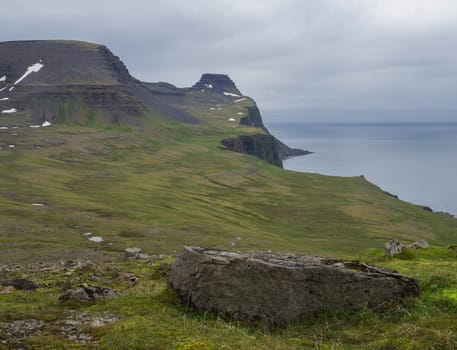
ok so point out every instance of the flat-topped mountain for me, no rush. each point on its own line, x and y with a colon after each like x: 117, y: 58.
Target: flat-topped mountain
x: 66, y: 62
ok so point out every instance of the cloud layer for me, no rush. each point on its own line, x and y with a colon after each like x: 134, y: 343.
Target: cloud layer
x: 370, y: 60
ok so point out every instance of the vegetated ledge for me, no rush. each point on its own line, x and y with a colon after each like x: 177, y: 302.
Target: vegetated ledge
x: 263, y: 146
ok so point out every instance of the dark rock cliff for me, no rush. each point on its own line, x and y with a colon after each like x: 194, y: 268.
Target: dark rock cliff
x: 77, y: 81
x: 261, y: 145
x: 218, y: 83
x: 277, y: 150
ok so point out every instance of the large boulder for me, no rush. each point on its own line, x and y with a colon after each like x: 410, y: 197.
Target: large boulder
x: 278, y: 288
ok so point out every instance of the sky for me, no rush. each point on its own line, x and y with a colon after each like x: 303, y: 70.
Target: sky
x: 301, y: 60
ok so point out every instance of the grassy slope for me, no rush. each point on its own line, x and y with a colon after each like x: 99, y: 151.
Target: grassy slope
x: 172, y: 185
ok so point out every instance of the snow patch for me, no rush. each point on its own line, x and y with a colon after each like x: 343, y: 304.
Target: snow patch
x: 34, y: 126
x: 3, y: 78
x: 240, y: 113
x: 12, y: 110
x: 241, y: 99
x: 11, y: 146
x: 45, y: 124
x: 2, y: 89
x: 209, y: 86
x: 3, y: 128
x: 231, y: 94
x: 87, y: 234
x: 38, y: 204
x: 32, y: 69
x: 11, y: 88
x: 4, y: 99
x: 212, y: 109
x: 96, y: 239
x: 232, y: 120
x: 202, y: 90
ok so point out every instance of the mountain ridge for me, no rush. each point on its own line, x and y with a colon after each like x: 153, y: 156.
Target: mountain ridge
x: 91, y: 77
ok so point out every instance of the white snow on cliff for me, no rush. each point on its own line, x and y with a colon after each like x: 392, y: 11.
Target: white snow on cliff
x: 12, y: 110
x: 231, y: 94
x: 32, y: 69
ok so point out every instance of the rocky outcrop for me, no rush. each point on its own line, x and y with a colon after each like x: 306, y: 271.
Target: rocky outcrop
x: 277, y: 288
x: 218, y: 83
x: 262, y: 146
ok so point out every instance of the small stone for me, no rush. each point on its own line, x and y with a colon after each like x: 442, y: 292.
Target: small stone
x: 134, y: 250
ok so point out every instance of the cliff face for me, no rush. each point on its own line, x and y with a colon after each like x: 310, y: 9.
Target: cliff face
x: 260, y: 145
x: 66, y: 80
x: 78, y: 82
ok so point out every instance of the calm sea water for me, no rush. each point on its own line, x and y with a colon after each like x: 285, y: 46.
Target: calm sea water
x: 416, y: 162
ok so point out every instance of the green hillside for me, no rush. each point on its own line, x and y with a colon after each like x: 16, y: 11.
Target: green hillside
x: 171, y: 184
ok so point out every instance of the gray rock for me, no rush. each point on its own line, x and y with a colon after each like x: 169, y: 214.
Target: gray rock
x: 87, y: 293
x: 276, y: 288
x: 21, y: 283
x: 393, y: 247
x: 419, y: 244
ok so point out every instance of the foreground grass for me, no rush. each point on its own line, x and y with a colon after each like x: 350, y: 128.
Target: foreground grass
x: 150, y: 316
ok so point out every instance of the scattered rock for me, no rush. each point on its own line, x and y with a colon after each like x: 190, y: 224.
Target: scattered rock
x: 88, y: 293
x: 13, y: 333
x: 395, y: 247
x: 21, y: 284
x: 128, y: 278
x: 277, y: 288
x: 74, y: 327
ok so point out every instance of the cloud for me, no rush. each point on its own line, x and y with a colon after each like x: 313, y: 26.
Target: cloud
x: 291, y: 56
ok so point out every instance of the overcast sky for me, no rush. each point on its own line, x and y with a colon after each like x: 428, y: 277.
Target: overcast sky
x: 311, y: 60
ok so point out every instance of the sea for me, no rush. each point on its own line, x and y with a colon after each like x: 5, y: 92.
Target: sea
x: 416, y: 162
